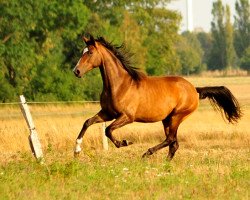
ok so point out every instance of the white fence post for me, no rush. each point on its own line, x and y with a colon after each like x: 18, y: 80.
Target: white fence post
x: 33, y: 137
x: 104, y: 138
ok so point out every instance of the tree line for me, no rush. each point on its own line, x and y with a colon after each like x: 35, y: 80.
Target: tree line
x: 40, y: 43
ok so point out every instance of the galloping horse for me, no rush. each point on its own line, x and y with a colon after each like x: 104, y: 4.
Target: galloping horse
x: 131, y: 96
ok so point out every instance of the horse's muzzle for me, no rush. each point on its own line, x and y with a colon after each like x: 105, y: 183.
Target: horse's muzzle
x: 77, y: 73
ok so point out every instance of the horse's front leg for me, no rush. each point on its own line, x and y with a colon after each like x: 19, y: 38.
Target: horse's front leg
x: 99, y: 117
x: 119, y: 122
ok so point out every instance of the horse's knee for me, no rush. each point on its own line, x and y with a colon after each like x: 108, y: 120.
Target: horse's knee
x: 173, y: 146
x: 170, y: 140
x: 108, y: 132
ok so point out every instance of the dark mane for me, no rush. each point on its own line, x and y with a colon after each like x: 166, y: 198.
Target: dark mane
x: 124, y: 56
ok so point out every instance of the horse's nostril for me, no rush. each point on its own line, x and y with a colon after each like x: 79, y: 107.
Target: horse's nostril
x: 77, y: 73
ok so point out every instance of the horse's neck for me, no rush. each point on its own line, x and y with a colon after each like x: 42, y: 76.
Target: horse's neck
x: 114, y: 76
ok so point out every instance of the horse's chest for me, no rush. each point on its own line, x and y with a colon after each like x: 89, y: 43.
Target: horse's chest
x: 108, y: 105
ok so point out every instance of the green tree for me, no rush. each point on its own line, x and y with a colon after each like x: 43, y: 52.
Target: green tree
x: 35, y: 43
x: 222, y: 55
x: 18, y: 54
x: 205, y: 40
x: 92, y: 85
x: 230, y: 54
x: 245, y: 60
x: 160, y: 27
x: 6, y: 90
x: 242, y: 26
x: 190, y: 54
x: 133, y: 39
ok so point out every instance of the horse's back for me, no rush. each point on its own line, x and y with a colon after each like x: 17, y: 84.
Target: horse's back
x: 170, y: 86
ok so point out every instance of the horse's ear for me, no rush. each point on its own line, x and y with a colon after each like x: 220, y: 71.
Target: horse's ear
x: 89, y: 41
x: 85, y: 39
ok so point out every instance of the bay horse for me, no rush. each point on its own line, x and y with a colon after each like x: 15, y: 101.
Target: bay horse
x: 131, y: 96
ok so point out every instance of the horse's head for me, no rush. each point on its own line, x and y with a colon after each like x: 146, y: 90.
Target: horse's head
x: 90, y: 59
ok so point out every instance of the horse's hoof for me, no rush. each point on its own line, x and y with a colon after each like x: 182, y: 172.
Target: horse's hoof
x: 76, y: 154
x: 169, y: 158
x: 126, y: 143
x: 147, y: 154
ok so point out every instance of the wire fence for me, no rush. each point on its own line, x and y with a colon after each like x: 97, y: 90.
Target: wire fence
x: 49, y: 102
x: 6, y: 113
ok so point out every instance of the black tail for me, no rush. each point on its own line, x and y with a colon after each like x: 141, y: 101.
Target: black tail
x: 223, y: 100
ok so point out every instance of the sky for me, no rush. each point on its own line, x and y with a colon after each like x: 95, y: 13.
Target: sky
x: 202, y: 16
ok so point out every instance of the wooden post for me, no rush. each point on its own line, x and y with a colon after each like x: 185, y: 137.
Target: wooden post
x: 33, y: 137
x: 104, y: 138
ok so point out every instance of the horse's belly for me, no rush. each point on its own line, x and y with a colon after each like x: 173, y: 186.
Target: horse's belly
x: 149, y: 119
x: 154, y: 114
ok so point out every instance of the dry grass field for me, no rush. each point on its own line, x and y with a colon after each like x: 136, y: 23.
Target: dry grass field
x: 211, y: 163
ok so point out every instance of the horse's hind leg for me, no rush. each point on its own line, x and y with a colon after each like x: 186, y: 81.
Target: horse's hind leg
x: 152, y: 150
x: 166, y: 123
x: 174, y: 145
x: 171, y: 125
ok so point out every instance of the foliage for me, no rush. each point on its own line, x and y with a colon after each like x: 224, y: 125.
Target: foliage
x: 190, y: 53
x: 245, y: 60
x: 230, y: 54
x: 205, y: 40
x: 242, y: 26
x: 222, y: 54
x: 162, y: 26
x: 33, y: 47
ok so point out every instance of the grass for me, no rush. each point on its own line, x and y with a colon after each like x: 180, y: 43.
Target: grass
x: 121, y: 174
x: 211, y: 163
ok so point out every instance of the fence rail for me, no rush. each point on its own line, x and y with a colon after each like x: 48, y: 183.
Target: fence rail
x: 49, y: 102
x: 9, y: 114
